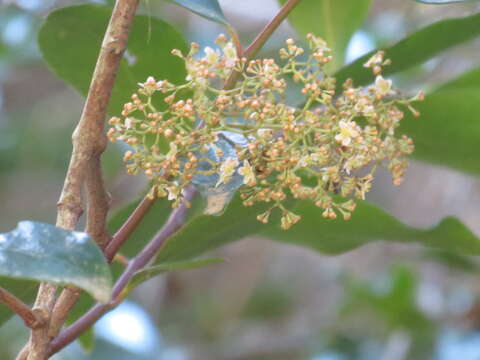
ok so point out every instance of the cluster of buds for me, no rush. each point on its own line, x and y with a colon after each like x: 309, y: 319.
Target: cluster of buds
x: 326, y: 150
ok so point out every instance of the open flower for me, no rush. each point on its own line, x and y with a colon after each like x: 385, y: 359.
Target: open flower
x: 248, y: 174
x: 382, y: 87
x: 348, y: 131
x: 375, y: 60
x: 173, y: 151
x: 230, y: 55
x: 211, y: 55
x: 173, y: 191
x: 227, y: 169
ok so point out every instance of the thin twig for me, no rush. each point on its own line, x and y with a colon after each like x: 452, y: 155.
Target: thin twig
x: 173, y: 224
x: 65, y: 302
x: 262, y: 38
x: 70, y: 295
x: 128, y: 227
x: 89, y: 143
x: 29, y: 317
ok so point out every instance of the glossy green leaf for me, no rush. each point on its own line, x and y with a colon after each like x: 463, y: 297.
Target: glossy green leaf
x: 152, y: 271
x: 209, y: 9
x: 209, y: 232
x: 416, y: 48
x: 448, y: 130
x: 43, y: 252
x: 334, y: 20
x: 70, y: 39
x: 368, y: 223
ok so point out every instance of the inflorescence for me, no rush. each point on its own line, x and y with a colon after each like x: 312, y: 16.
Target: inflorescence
x: 330, y: 145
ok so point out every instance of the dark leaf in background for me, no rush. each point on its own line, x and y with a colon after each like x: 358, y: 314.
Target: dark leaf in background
x: 368, y: 223
x: 23, y: 289
x: 394, y: 303
x: 448, y: 130
x: 209, y: 9
x: 70, y: 39
x: 416, y: 48
x: 333, y: 20
x: 152, y: 271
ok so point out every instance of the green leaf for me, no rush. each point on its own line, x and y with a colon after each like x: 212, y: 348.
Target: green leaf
x: 70, y: 39
x: 148, y: 273
x: 368, y: 223
x: 43, y: 252
x: 87, y: 341
x: 448, y: 130
x: 395, y: 305
x: 416, y: 48
x: 209, y: 9
x: 209, y: 232
x: 23, y: 289
x: 468, y: 80
x: 333, y: 20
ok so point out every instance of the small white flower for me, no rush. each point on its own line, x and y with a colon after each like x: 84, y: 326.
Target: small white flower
x: 265, y: 134
x: 375, y: 60
x: 211, y: 55
x: 173, y: 151
x: 309, y: 160
x: 320, y: 44
x: 355, y: 162
x: 230, y: 55
x: 227, y: 169
x: 248, y: 174
x: 173, y: 192
x: 365, y: 107
x: 382, y: 87
x: 128, y: 122
x: 348, y: 131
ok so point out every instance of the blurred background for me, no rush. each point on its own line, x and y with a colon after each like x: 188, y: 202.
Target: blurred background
x: 267, y: 300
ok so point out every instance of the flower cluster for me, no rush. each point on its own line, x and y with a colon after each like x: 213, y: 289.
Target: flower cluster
x: 326, y: 150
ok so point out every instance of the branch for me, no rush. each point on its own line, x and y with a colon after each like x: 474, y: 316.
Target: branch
x: 30, y: 318
x: 70, y: 295
x: 98, y: 203
x: 262, y: 38
x: 174, y: 223
x: 89, y: 142
x: 128, y: 227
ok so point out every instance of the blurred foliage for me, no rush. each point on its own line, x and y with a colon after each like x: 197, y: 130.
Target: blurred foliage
x: 334, y: 21
x: 40, y: 113
x: 148, y: 52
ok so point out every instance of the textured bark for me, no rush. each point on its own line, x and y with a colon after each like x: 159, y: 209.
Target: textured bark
x: 89, y: 142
